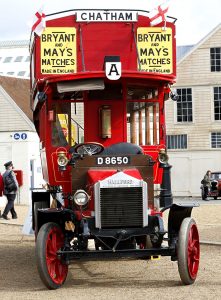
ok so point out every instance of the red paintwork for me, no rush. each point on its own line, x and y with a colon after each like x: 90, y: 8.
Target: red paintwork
x: 98, y: 175
x: 153, y: 151
x: 102, y: 39
x: 153, y: 212
x: 193, y: 251
x: 19, y: 176
x: 117, y: 129
x: 99, y: 40
x: 93, y: 176
x: 57, y: 270
x: 1, y: 185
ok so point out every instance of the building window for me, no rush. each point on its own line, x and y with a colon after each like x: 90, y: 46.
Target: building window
x: 21, y: 73
x: 215, y: 59
x: 177, y: 141
x: 216, y: 139
x: 217, y: 102
x: 18, y: 59
x: 10, y: 73
x: 7, y: 59
x: 27, y: 59
x: 184, y: 105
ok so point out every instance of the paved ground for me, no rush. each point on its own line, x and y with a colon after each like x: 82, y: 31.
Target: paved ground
x: 124, y: 279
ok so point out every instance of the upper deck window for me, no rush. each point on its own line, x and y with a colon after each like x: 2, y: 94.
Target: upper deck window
x: 215, y: 59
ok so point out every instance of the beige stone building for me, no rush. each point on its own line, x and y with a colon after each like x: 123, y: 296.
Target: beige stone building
x: 194, y: 121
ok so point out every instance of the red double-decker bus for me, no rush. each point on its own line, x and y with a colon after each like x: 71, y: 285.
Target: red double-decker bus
x: 99, y: 82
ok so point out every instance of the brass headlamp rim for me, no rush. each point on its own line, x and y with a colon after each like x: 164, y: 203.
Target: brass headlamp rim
x: 62, y: 154
x: 163, y: 156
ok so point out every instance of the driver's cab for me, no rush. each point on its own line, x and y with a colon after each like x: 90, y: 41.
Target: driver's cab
x: 107, y: 113
x: 124, y: 117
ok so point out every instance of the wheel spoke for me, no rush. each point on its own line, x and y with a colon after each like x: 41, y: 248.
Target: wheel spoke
x: 192, y: 247
x: 61, y: 268
x: 190, y: 235
x: 193, y: 252
x: 51, y: 269
x: 196, y: 258
x: 54, y: 241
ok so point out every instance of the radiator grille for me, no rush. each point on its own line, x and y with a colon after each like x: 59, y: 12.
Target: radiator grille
x: 121, y: 207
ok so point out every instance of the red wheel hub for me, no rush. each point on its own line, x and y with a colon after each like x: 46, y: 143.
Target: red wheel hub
x: 193, y: 251
x: 56, y: 268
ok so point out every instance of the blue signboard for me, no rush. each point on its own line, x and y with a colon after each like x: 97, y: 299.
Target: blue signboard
x: 16, y: 136
x: 20, y: 136
x: 24, y: 136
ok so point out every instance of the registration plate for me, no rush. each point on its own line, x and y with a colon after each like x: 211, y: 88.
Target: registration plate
x: 113, y: 160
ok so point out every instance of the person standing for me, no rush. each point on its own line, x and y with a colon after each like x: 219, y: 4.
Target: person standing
x: 207, y: 183
x: 10, y: 190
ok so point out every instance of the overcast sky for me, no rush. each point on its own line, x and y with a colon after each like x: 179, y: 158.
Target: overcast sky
x: 196, y: 18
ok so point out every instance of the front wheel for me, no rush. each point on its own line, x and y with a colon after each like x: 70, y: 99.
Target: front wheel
x: 188, y: 251
x: 52, y: 270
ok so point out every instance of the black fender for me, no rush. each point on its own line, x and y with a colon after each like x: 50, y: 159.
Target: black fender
x: 55, y: 215
x: 177, y: 213
x: 43, y: 198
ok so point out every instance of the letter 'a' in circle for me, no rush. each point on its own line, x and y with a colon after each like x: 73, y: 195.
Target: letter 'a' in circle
x: 113, y: 70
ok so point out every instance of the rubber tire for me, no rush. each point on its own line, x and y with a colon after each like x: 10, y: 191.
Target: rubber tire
x: 182, y: 251
x: 40, y: 252
x: 215, y: 198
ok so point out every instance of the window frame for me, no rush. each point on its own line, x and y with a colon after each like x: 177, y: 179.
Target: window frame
x: 211, y: 141
x: 177, y: 141
x: 18, y: 58
x: 192, y: 108
x: 7, y: 59
x: 215, y: 62
x: 218, y: 100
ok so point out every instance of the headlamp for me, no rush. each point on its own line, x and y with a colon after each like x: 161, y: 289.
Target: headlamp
x: 81, y: 198
x: 163, y: 157
x: 62, y: 159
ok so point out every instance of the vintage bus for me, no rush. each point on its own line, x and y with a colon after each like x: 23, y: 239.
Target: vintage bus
x: 99, y: 82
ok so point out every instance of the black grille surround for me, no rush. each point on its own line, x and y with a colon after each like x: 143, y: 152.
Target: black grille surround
x: 121, y: 207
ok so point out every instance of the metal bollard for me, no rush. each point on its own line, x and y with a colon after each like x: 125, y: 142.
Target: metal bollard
x: 166, y: 197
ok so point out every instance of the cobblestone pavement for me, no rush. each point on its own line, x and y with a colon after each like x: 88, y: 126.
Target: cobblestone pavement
x: 123, y: 279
